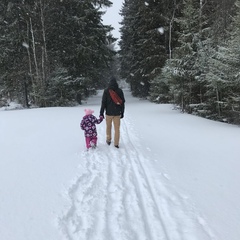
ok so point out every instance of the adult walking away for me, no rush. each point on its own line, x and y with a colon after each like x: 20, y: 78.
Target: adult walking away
x: 113, y: 102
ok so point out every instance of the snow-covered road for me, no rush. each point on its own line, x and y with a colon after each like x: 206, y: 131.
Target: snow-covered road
x: 174, y: 177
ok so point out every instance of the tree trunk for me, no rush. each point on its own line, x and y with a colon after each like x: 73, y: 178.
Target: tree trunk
x: 26, y: 94
x: 218, y: 102
x: 34, y: 51
x: 170, y: 31
x: 44, y: 48
x: 30, y: 73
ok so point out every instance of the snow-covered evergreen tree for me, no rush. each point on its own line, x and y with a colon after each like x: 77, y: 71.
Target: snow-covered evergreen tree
x: 189, y: 62
x: 40, y: 38
x: 129, y: 36
x: 160, y: 84
x: 144, y: 42
x: 182, y: 65
x: 223, y: 78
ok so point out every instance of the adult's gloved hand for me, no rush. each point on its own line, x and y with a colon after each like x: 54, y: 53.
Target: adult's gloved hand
x: 122, y: 115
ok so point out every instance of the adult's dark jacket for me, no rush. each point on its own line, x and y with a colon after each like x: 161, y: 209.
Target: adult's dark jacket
x: 108, y: 105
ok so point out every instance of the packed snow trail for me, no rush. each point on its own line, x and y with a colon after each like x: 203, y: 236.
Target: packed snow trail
x: 175, y: 176
x: 115, y: 198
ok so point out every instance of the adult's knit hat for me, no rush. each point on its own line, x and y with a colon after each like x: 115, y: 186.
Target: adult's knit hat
x: 88, y: 111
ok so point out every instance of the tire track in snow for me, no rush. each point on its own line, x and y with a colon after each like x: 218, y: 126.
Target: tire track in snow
x: 177, y: 221
x: 145, y: 193
x: 124, y: 207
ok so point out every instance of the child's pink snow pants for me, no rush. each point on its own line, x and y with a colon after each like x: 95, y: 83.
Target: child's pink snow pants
x: 91, y: 141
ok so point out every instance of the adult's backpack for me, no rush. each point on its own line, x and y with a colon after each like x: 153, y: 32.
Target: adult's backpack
x: 115, y: 97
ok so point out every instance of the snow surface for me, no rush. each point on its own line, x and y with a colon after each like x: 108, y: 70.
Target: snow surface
x: 175, y: 176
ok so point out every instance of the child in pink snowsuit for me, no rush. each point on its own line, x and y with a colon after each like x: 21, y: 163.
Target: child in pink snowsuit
x: 88, y: 124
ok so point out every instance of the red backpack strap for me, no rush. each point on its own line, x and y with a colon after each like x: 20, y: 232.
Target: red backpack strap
x: 115, y: 97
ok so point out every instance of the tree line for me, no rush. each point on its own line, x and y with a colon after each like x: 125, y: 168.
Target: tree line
x: 184, y: 52
x: 53, y: 52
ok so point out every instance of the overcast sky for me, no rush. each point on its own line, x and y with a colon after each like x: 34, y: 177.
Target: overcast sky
x: 113, y: 18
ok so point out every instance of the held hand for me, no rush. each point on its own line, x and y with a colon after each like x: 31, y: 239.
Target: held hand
x: 122, y: 115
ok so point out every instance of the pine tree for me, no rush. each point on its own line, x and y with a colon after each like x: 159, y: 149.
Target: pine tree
x: 151, y: 47
x: 14, y: 79
x: 189, y: 61
x: 81, y: 44
x: 128, y: 38
x: 223, y: 83
x: 220, y: 14
x: 144, y: 42
x: 43, y: 39
x: 160, y: 84
x: 182, y: 65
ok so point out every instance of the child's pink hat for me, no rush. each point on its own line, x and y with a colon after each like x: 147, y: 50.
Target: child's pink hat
x: 88, y: 111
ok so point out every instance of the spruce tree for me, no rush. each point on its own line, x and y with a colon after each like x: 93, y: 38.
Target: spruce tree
x: 44, y: 40
x: 223, y: 82
x: 144, y: 43
x: 128, y: 39
x: 14, y: 78
x: 160, y: 84
x: 189, y: 61
x: 81, y: 44
x: 182, y: 65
